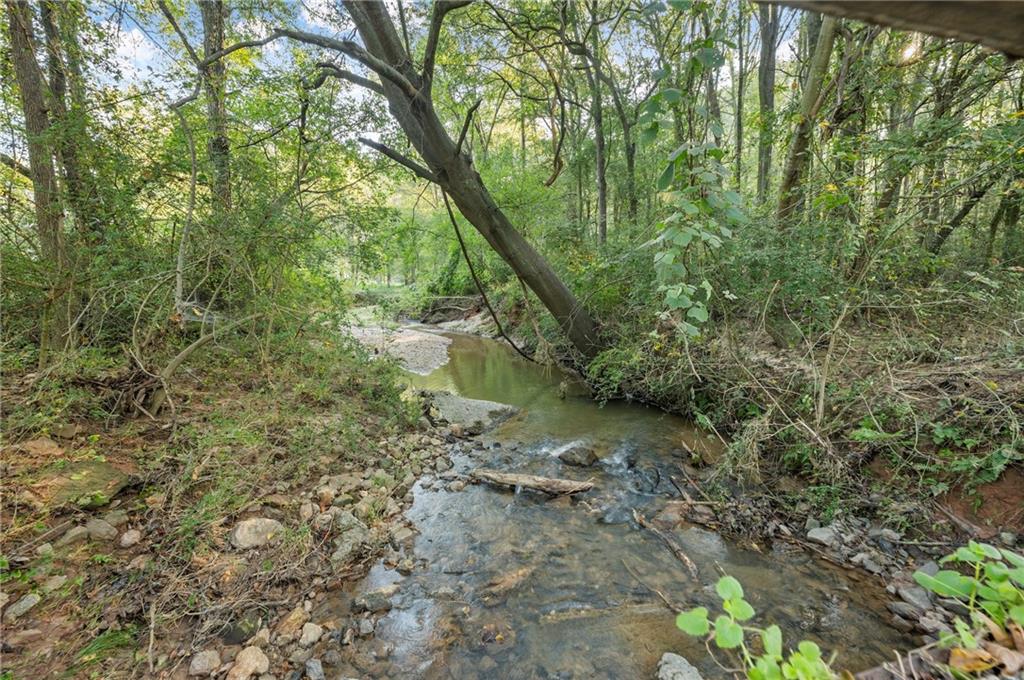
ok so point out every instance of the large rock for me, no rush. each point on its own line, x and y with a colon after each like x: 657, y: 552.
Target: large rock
x: 581, y: 456
x: 255, y: 532
x: 249, y: 662
x: 87, y: 484
x: 674, y: 667
x: 474, y: 415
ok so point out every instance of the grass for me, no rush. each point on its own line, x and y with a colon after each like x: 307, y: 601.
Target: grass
x: 247, y: 426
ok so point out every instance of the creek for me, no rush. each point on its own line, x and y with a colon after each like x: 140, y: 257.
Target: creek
x: 517, y: 585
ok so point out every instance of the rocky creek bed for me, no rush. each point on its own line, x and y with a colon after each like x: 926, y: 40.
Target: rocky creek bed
x: 419, y: 571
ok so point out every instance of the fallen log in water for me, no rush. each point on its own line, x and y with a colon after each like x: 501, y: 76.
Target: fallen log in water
x: 549, y: 485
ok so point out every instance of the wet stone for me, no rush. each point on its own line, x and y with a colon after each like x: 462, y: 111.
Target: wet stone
x: 580, y: 456
x: 375, y: 600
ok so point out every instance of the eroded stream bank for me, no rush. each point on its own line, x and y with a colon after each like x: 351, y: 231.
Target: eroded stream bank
x: 515, y: 585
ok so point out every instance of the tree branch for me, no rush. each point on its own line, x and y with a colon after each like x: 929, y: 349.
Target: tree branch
x: 465, y: 126
x: 441, y: 8
x: 349, y: 47
x: 409, y: 163
x: 344, y: 74
x: 16, y: 165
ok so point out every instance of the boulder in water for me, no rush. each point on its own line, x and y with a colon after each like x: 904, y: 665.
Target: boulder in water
x: 580, y: 456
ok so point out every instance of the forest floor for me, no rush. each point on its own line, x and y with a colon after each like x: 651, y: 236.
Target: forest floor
x: 220, y: 525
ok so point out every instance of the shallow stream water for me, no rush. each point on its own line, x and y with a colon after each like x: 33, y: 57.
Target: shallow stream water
x: 516, y: 585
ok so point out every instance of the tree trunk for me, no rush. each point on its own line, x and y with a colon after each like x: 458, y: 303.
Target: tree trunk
x: 68, y: 128
x: 790, y: 191
x: 769, y: 16
x: 741, y: 80
x: 594, y: 76
x: 947, y: 229
x: 214, y: 76
x: 453, y: 170
x: 55, y: 322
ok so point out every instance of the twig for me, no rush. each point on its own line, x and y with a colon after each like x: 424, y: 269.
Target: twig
x: 672, y: 545
x: 476, y: 280
x: 668, y: 603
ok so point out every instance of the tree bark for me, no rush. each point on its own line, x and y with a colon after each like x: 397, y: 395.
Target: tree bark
x: 790, y: 191
x: 741, y: 81
x: 214, y: 77
x: 592, y: 66
x: 55, y: 322
x: 414, y: 111
x: 769, y: 19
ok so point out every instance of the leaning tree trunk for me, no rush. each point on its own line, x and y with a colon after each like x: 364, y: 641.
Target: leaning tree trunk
x: 55, y: 322
x: 790, y: 191
x: 452, y: 169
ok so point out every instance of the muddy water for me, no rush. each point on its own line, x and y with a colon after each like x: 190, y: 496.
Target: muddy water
x: 514, y: 585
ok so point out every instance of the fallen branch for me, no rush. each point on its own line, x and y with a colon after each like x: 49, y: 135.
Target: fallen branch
x: 555, y: 487
x: 670, y: 542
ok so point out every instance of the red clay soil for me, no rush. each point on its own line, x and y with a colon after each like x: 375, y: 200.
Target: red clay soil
x: 993, y: 507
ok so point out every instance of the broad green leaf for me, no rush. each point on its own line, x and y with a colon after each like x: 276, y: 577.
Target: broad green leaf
x: 1017, y: 613
x: 771, y: 638
x: 728, y: 634
x: 728, y: 588
x: 665, y: 179
x: 739, y: 608
x: 694, y: 622
x: 698, y: 312
x: 810, y: 650
x: 945, y: 583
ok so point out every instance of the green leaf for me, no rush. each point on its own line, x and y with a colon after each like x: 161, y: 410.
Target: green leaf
x: 728, y: 588
x: 728, y: 634
x: 700, y: 314
x: 672, y: 95
x: 680, y: 5
x: 665, y: 179
x: 740, y: 609
x: 771, y: 638
x: 810, y: 650
x: 694, y: 622
x: 1017, y: 613
x: 945, y: 583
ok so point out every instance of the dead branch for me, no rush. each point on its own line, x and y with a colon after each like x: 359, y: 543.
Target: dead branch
x: 670, y: 542
x: 549, y: 485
